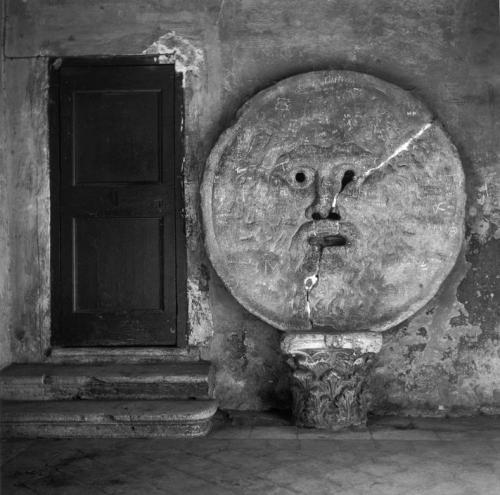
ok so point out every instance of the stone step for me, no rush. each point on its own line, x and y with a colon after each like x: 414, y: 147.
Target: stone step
x: 127, y: 355
x: 106, y: 418
x: 42, y: 381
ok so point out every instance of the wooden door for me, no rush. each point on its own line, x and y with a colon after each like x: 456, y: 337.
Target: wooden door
x: 117, y: 230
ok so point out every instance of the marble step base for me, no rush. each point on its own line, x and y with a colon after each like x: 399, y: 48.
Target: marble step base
x: 107, y: 419
x: 127, y: 355
x: 46, y: 381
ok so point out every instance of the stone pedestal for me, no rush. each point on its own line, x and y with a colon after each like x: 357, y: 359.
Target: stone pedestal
x: 330, y: 377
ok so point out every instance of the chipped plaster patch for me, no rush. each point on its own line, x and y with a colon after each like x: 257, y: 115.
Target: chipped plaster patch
x: 174, y: 49
x: 484, y: 212
x: 200, y: 319
x: 484, y: 383
x: 435, y: 371
x: 481, y: 227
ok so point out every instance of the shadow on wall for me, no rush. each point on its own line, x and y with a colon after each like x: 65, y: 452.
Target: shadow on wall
x: 251, y: 370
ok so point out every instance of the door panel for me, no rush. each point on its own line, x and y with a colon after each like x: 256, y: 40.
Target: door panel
x: 132, y: 152
x: 117, y: 220
x: 101, y: 245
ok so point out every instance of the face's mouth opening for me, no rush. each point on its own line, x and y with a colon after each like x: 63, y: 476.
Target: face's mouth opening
x: 327, y: 240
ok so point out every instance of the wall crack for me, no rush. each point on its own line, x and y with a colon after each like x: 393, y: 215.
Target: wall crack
x: 403, y: 147
x: 310, y: 282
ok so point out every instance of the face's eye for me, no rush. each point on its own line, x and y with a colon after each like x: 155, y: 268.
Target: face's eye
x: 300, y: 177
x: 295, y: 177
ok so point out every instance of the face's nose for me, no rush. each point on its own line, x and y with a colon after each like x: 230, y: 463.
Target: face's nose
x: 322, y: 207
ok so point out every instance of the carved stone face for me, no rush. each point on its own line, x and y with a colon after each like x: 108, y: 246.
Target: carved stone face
x: 335, y: 201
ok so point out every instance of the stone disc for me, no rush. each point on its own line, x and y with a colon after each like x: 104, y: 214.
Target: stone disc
x: 336, y: 200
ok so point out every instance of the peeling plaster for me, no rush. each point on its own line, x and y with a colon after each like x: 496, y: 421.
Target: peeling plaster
x: 199, y: 315
x: 435, y: 364
x: 484, y: 209
x: 480, y: 289
x: 174, y: 49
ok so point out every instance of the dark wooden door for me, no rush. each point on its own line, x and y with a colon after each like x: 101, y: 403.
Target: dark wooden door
x: 116, y: 279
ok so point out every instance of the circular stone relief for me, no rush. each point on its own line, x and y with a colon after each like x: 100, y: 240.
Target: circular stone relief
x: 336, y: 200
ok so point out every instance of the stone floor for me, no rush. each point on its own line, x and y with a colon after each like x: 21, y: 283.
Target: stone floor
x: 391, y: 456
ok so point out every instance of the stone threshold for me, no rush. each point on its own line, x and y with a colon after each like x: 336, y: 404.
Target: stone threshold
x: 104, y: 355
x: 48, y: 381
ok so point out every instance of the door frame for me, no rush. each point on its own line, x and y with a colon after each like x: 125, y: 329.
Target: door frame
x: 55, y: 166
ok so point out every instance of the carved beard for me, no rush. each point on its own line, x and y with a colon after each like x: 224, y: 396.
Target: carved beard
x: 304, y: 258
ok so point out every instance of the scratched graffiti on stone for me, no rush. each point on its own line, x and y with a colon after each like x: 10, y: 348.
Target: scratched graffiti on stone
x: 336, y: 200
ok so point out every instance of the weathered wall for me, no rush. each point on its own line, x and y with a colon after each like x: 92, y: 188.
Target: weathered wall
x: 447, y: 357
x: 5, y: 293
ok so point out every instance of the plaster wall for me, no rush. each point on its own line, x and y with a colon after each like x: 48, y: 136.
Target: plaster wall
x: 446, y: 358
